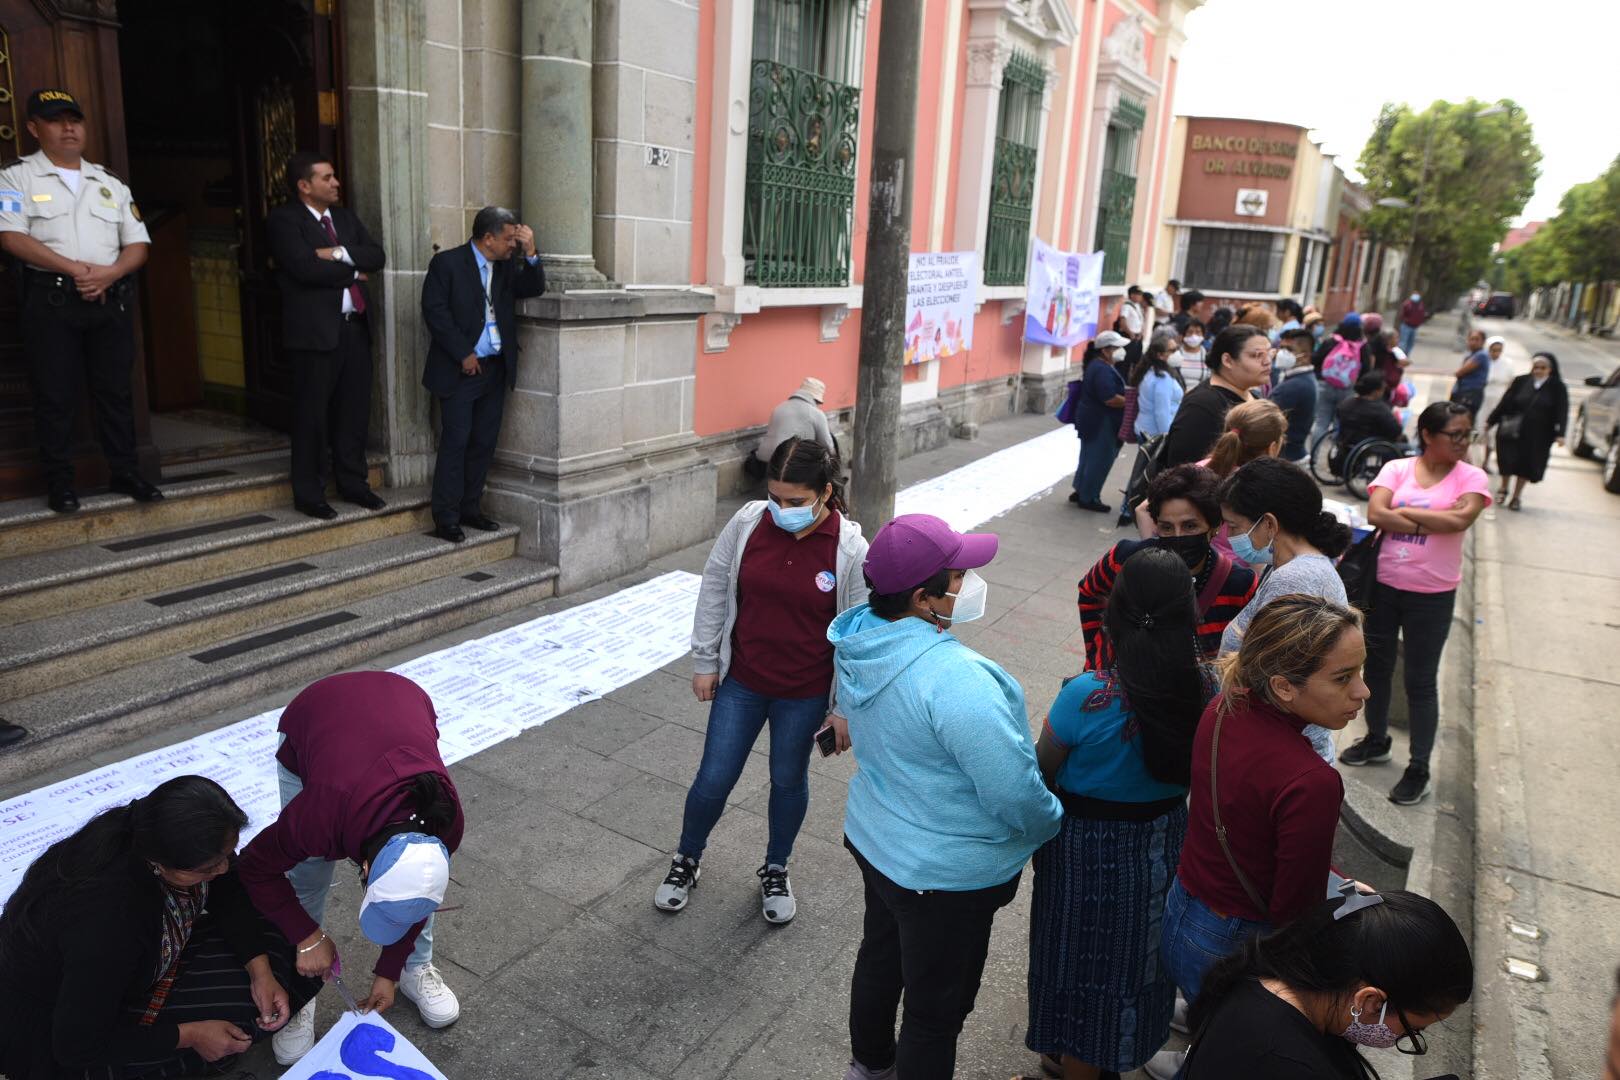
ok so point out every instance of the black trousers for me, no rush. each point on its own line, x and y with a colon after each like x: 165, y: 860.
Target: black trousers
x: 469, y: 421
x: 211, y: 985
x: 930, y: 945
x: 332, y: 408
x: 67, y: 342
x: 1423, y: 622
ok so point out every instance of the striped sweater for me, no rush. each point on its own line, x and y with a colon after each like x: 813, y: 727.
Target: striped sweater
x: 1213, y: 614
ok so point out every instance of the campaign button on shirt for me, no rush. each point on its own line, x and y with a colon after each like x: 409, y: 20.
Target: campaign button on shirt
x: 786, y: 597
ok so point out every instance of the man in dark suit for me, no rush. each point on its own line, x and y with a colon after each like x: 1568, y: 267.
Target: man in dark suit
x: 322, y: 255
x: 469, y: 303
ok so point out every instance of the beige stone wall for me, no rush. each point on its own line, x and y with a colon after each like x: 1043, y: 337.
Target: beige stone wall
x: 472, y: 75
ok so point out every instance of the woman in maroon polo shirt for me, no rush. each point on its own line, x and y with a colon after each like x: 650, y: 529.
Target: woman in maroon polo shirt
x: 1264, y: 805
x: 779, y: 572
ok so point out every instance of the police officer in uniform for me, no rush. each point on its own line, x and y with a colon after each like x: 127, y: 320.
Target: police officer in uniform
x: 77, y: 234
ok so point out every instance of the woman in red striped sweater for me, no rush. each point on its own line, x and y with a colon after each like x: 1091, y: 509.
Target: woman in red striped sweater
x: 1186, y: 515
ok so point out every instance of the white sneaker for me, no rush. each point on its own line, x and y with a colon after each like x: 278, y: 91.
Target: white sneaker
x: 296, y: 1037
x: 435, y: 1001
x: 776, y: 894
x: 1178, y: 1019
x: 678, y: 884
x: 1165, y: 1064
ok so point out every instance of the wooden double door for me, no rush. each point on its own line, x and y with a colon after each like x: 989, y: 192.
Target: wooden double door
x: 197, y: 104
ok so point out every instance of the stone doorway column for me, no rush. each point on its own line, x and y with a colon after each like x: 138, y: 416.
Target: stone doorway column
x: 556, y: 128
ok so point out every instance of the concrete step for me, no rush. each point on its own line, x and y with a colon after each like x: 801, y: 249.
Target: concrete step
x: 72, y: 722
x: 202, y: 491
x: 56, y: 650
x: 106, y: 571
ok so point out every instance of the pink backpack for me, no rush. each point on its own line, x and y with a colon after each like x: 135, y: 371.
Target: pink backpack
x: 1342, y: 365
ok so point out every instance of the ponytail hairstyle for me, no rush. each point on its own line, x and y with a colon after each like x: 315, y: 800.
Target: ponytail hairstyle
x: 1291, y: 637
x: 1273, y: 486
x: 1152, y: 621
x: 431, y: 808
x: 185, y: 823
x: 1405, y: 945
x: 1251, y: 430
x: 809, y: 464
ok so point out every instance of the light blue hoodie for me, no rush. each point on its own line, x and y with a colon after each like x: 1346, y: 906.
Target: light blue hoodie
x: 948, y: 794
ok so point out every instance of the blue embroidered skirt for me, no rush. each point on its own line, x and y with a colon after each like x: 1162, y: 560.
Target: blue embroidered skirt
x: 1098, y: 990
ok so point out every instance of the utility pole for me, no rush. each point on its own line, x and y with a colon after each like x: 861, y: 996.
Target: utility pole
x: 888, y: 261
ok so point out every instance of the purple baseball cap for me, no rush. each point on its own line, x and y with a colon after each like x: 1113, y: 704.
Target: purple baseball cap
x: 914, y: 547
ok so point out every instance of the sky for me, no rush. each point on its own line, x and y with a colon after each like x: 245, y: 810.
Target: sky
x: 1330, y: 66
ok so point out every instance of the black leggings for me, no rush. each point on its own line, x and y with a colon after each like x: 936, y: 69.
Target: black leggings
x: 1422, y: 621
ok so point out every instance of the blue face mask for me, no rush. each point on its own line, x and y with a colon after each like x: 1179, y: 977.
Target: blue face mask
x: 1244, y: 548
x: 793, y: 519
x: 1317, y: 330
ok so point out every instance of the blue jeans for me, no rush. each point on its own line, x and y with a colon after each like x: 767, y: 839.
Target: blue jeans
x: 1296, y: 397
x: 1408, y: 338
x: 1097, y: 455
x: 735, y: 720
x: 312, y: 878
x: 1195, y: 939
x: 1328, y: 397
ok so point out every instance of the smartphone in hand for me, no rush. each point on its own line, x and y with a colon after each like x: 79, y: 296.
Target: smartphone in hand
x: 827, y: 739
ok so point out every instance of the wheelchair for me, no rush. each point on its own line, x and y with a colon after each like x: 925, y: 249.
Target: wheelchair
x: 1356, y: 466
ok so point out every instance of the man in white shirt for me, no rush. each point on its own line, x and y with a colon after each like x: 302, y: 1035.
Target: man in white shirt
x: 1130, y: 313
x: 1164, y: 302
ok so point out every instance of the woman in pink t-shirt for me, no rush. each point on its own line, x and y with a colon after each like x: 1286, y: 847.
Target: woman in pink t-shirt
x: 1424, y: 505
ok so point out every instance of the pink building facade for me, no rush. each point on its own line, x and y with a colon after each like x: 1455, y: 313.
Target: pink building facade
x: 1035, y: 118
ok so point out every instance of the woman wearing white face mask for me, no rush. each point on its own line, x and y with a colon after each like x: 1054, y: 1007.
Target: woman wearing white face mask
x: 948, y: 803
x: 778, y: 573
x: 1189, y: 359
x: 1097, y: 418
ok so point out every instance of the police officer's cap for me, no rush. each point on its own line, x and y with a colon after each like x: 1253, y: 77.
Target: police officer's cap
x: 50, y: 102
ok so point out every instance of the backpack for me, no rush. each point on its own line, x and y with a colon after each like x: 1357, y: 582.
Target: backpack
x: 1342, y: 365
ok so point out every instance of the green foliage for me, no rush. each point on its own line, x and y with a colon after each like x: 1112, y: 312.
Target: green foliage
x: 1580, y: 243
x: 1464, y: 177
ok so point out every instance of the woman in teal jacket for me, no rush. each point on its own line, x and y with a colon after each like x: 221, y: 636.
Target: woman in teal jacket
x: 948, y: 802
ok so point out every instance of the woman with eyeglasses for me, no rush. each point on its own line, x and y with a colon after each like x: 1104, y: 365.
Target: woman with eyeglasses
x: 1423, y: 504
x: 130, y: 949
x: 778, y: 574
x: 1368, y: 970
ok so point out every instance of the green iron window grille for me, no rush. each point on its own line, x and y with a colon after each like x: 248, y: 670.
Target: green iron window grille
x: 1012, y: 175
x: 803, y: 131
x: 1116, y: 199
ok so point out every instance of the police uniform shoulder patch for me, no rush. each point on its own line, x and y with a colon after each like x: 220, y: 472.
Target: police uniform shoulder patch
x: 134, y: 210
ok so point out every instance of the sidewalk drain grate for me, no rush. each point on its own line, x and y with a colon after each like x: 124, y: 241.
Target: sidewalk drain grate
x: 273, y: 637
x: 213, y: 589
x: 154, y: 539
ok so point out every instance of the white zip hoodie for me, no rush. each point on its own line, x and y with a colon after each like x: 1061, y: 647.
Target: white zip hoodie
x: 717, y: 598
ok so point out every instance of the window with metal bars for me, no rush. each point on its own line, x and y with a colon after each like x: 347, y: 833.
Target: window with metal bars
x: 803, y: 132
x: 1235, y: 260
x: 1012, y: 176
x: 1116, y: 195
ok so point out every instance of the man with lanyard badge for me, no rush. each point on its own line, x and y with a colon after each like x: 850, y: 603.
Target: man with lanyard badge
x: 74, y: 228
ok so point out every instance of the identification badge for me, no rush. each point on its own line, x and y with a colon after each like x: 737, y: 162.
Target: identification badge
x: 42, y: 198
x: 109, y: 204
x: 494, y: 335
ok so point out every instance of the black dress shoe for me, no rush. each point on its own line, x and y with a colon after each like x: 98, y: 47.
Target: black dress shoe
x: 368, y: 499
x: 136, y: 487
x: 320, y: 510
x: 63, y: 500
x: 451, y: 533
x: 11, y: 734
x: 480, y: 522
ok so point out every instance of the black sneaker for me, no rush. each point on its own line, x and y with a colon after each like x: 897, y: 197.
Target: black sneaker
x: 1413, y: 788
x: 1368, y: 750
x: 677, y: 885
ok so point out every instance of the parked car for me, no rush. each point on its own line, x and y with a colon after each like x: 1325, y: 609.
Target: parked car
x: 1596, y: 433
x: 1500, y: 303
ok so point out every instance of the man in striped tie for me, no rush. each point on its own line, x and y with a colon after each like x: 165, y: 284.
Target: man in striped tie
x: 323, y: 255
